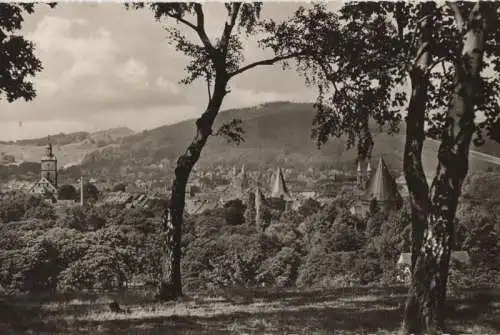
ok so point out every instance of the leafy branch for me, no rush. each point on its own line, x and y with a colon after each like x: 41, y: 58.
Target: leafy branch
x: 232, y: 131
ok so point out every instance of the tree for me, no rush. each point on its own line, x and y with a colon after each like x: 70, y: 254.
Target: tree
x: 441, y: 51
x: 90, y: 191
x: 120, y: 187
x: 18, y: 62
x: 67, y: 192
x: 216, y: 62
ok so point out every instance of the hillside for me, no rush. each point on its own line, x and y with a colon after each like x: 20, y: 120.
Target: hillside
x: 276, y: 133
x: 69, y: 148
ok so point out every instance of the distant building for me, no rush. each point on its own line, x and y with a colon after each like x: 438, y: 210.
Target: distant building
x: 47, y: 185
x: 279, y: 189
x: 237, y: 188
x: 380, y: 188
x: 49, y: 166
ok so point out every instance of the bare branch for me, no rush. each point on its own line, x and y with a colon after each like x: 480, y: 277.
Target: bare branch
x: 228, y: 27
x: 269, y: 61
x: 200, y: 29
x: 459, y: 20
x: 184, y: 21
x: 435, y: 63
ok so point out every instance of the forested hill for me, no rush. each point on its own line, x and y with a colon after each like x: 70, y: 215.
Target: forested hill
x: 275, y: 133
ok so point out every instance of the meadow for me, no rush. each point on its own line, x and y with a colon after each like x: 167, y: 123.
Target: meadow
x: 350, y: 310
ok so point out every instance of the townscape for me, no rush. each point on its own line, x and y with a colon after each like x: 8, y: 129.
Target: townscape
x: 335, y: 217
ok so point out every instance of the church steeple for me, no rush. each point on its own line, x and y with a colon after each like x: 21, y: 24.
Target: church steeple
x: 279, y: 188
x: 359, y: 174
x: 48, y: 165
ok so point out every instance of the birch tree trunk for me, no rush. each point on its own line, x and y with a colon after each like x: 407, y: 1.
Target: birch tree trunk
x: 428, y: 287
x: 171, y: 283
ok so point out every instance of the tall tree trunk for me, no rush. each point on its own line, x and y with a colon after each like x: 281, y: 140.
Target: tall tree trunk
x: 415, y: 131
x: 428, y: 287
x: 412, y: 160
x: 171, y: 283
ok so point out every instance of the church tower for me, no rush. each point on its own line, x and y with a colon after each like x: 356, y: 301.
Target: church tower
x: 49, y: 165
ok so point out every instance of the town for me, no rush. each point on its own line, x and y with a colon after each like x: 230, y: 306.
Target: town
x: 249, y: 168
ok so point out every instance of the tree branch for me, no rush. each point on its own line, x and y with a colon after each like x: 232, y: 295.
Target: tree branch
x: 436, y: 62
x: 200, y: 29
x: 459, y: 20
x: 269, y: 61
x: 184, y: 21
x: 228, y: 27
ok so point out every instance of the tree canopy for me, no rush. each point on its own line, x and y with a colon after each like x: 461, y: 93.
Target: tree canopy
x: 19, y: 63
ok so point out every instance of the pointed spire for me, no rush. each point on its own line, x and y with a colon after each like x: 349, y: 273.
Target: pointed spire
x: 48, y: 150
x: 243, y: 179
x: 382, y: 185
x: 279, y: 188
x: 359, y: 176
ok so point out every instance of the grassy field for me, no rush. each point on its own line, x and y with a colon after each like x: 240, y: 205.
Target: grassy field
x: 330, y: 311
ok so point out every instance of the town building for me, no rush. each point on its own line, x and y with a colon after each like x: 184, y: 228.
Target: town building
x: 378, y: 188
x: 47, y: 185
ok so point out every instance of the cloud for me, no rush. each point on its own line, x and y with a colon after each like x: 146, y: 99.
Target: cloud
x: 240, y: 97
x: 133, y: 72
x: 89, y: 52
x: 98, y: 75
x: 104, y: 66
x: 167, y: 85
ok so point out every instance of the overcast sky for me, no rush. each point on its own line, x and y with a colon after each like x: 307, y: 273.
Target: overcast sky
x: 106, y: 67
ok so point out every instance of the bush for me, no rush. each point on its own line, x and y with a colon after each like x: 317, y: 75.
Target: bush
x: 67, y: 192
x: 234, y: 212
x: 368, y: 267
x: 12, y: 208
x: 102, y: 267
x: 323, y: 269
x: 31, y: 269
x: 281, y: 270
x: 120, y: 187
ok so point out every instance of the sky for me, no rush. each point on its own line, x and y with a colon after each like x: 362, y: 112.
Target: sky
x: 107, y: 67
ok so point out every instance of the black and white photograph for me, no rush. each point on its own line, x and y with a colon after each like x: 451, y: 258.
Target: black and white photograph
x: 273, y: 167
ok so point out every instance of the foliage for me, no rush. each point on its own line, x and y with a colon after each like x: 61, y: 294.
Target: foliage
x: 67, y: 192
x: 120, y: 187
x: 12, y: 208
x: 368, y: 266
x: 90, y: 192
x: 234, y: 211
x: 17, y: 57
x: 39, y: 209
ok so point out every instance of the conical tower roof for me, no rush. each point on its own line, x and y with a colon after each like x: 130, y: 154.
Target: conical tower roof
x: 279, y: 188
x: 382, y: 185
x: 242, y: 181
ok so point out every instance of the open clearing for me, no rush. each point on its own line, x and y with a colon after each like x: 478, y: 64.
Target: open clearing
x: 327, y: 311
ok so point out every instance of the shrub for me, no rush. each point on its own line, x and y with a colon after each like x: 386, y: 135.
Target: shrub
x: 67, y: 192
x: 234, y: 211
x: 120, y: 187
x: 31, y: 269
x: 102, y: 267
x: 368, y: 267
x: 323, y: 268
x: 281, y: 270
